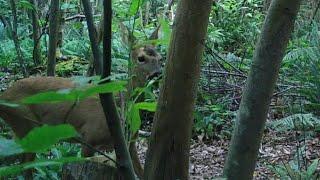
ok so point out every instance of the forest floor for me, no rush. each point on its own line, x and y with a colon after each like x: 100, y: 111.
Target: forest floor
x: 207, y: 157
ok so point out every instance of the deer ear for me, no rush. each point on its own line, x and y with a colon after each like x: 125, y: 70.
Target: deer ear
x: 127, y: 37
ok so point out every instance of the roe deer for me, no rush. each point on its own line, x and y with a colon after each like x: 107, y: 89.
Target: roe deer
x: 86, y: 116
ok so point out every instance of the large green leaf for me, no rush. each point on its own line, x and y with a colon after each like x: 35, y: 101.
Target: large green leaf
x: 134, y: 114
x: 16, y: 169
x: 148, y: 106
x: 166, y: 32
x: 42, y: 138
x: 110, y: 87
x: 74, y: 94
x: 135, y: 120
x: 51, y: 97
x: 134, y: 7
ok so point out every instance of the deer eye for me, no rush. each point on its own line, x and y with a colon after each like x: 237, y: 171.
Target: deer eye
x: 141, y: 59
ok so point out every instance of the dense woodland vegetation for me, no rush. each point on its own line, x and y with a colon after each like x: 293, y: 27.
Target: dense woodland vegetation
x: 188, y: 89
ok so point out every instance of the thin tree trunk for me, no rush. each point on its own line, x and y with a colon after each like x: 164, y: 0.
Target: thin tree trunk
x: 53, y: 36
x: 36, y: 33
x: 93, y: 36
x: 62, y: 22
x: 168, y: 153
x: 15, y: 38
x: 112, y: 117
x: 257, y: 94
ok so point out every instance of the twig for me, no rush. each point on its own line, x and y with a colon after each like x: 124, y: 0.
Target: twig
x: 225, y: 73
x: 214, y: 54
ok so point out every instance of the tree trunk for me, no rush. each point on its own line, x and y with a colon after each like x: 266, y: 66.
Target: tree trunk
x: 93, y: 36
x: 53, y: 36
x: 15, y: 38
x: 62, y: 22
x: 36, y: 33
x: 89, y: 171
x: 258, y: 91
x: 168, y: 153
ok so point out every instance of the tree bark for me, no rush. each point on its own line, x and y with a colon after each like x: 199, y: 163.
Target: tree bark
x: 257, y: 93
x: 36, y: 33
x: 93, y: 36
x: 89, y: 171
x: 15, y: 38
x: 53, y: 36
x: 62, y: 21
x: 168, y: 153
x: 112, y: 116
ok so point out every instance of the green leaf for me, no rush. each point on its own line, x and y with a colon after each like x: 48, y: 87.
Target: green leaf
x: 51, y: 97
x: 42, y: 138
x: 26, y: 4
x: 9, y: 147
x: 10, y: 170
x: 148, y: 106
x: 134, y: 114
x: 135, y: 120
x: 134, y: 6
x: 74, y: 94
x: 8, y: 104
x: 165, y: 38
x: 16, y: 169
x: 110, y: 87
x: 290, y: 171
x: 312, y: 168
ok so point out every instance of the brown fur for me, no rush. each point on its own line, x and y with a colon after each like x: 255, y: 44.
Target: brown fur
x: 86, y: 116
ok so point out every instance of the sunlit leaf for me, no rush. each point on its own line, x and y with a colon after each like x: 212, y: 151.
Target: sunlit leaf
x: 51, y: 97
x: 74, y: 94
x: 135, y: 120
x: 42, y: 138
x: 166, y: 31
x: 148, y: 106
x: 134, y: 7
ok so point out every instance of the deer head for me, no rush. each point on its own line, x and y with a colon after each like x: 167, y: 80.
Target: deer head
x: 144, y: 62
